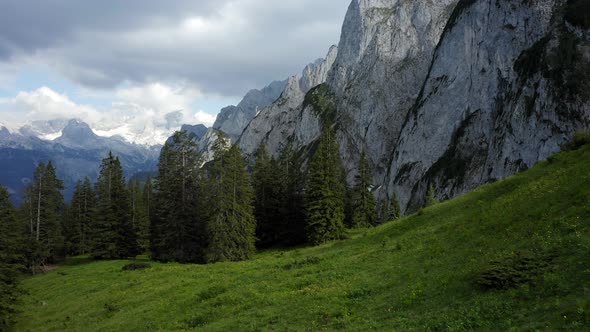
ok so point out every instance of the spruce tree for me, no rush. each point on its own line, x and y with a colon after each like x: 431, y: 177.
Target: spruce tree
x: 44, y: 207
x: 79, y: 219
x: 148, y: 197
x: 269, y: 189
x: 231, y: 226
x: 394, y: 211
x: 139, y: 214
x: 430, y: 198
x: 325, y: 192
x: 363, y: 201
x: 114, y: 235
x: 293, y: 206
x: 178, y: 228
x: 11, y: 259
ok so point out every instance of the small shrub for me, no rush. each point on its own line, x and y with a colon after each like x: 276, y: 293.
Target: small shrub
x: 358, y: 295
x: 210, y: 293
x: 513, y: 271
x: 196, y: 321
x: 310, y: 260
x: 580, y: 139
x: 110, y: 308
x: 136, y: 266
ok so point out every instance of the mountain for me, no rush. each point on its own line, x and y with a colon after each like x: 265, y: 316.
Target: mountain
x: 197, y: 131
x: 76, y: 153
x: 233, y: 119
x: 287, y: 119
x: 448, y: 94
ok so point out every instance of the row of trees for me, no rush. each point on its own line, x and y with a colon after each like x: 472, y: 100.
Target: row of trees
x: 217, y: 212
x: 190, y: 212
x: 108, y: 219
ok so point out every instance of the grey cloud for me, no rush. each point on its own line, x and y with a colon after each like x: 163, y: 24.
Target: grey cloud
x: 103, y: 43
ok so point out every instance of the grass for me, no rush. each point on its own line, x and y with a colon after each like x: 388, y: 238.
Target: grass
x: 512, y: 255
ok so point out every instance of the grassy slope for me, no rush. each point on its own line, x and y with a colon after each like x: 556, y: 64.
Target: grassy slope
x: 414, y: 274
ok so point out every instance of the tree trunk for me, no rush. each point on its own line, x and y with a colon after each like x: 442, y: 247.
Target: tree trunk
x: 39, y: 208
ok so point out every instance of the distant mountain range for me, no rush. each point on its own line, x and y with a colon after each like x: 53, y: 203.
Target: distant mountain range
x: 74, y: 148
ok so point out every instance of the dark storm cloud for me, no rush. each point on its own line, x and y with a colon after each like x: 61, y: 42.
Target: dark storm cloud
x: 220, y: 46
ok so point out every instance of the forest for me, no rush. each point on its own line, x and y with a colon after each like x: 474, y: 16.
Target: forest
x: 190, y: 212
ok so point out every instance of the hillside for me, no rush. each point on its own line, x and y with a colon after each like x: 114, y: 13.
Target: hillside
x: 512, y: 254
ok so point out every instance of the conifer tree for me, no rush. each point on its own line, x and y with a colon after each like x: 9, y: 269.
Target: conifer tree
x: 11, y: 259
x: 269, y: 189
x: 80, y: 218
x: 139, y: 214
x: 114, y: 235
x: 363, y: 201
x: 325, y: 192
x: 178, y: 230
x: 231, y: 226
x: 293, y: 206
x: 430, y: 198
x: 394, y: 211
x: 148, y: 197
x: 45, y: 208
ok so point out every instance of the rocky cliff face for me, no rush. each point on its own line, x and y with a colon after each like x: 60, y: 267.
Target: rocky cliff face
x: 288, y: 120
x: 450, y: 94
x: 385, y: 52
x: 233, y: 119
x: 383, y: 59
x: 499, y: 97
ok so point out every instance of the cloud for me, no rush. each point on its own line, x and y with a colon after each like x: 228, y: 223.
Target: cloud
x: 224, y: 47
x: 145, y: 114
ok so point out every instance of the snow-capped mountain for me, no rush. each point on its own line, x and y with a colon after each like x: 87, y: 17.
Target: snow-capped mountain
x: 148, y: 133
x: 75, y: 149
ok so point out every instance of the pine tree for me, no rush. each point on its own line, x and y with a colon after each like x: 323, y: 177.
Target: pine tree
x: 11, y: 259
x: 364, y: 208
x: 430, y: 198
x: 394, y: 211
x: 231, y: 226
x: 114, y: 235
x: 44, y: 205
x: 325, y: 192
x: 177, y: 230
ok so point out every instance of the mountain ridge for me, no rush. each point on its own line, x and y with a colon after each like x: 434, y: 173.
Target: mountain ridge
x: 445, y: 94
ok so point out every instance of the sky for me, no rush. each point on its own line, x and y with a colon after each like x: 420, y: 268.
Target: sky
x: 111, y: 62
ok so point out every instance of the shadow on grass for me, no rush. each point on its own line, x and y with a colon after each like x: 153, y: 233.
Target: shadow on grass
x: 78, y: 260
x: 81, y: 260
